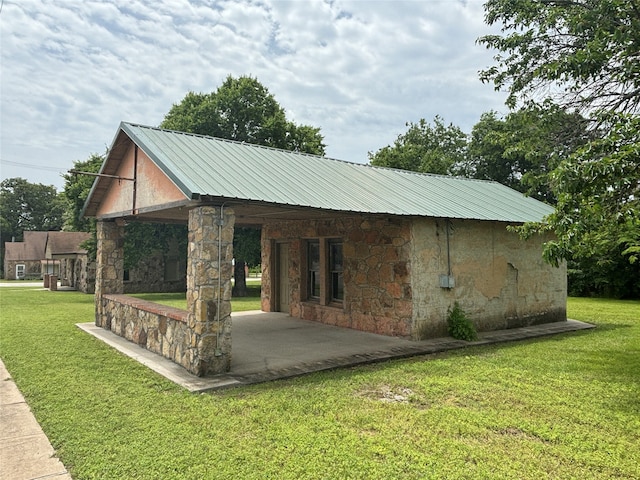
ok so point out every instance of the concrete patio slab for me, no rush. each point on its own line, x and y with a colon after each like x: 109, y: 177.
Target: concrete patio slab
x: 271, y: 346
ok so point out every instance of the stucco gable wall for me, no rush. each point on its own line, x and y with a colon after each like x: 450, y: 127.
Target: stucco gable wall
x: 152, y: 189
x: 500, y: 280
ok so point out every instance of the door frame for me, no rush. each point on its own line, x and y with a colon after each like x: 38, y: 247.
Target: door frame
x: 279, y: 279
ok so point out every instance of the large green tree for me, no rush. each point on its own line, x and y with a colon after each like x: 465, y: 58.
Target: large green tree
x: 425, y: 148
x: 584, y: 54
x: 601, y: 185
x: 244, y: 110
x: 28, y: 206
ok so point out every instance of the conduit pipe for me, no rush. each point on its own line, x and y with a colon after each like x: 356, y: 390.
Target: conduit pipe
x: 218, y: 350
x: 448, y: 228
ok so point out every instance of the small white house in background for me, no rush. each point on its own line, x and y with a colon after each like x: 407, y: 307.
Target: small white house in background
x: 374, y: 249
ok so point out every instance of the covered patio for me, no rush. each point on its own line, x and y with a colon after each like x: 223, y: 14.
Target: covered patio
x: 273, y: 346
x: 144, y: 179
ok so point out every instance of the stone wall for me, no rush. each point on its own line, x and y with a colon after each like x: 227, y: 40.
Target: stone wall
x: 157, y: 328
x: 377, y: 280
x: 33, y: 269
x: 109, y: 266
x: 149, y: 276
x: 392, y: 269
x: 500, y: 281
x: 85, y: 274
x: 209, y: 271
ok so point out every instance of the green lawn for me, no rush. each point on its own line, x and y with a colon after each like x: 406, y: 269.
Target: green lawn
x: 179, y: 300
x: 560, y: 407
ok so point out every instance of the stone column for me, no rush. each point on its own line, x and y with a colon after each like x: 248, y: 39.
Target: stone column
x: 209, y: 271
x: 109, y: 265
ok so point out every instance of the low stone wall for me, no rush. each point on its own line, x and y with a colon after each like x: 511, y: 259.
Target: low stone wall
x: 158, y: 328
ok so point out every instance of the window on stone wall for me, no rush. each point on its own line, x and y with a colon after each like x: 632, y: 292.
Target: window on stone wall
x: 335, y: 271
x: 313, y: 258
x: 325, y: 271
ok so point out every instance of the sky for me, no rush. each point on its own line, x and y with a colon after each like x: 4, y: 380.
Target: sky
x: 72, y: 70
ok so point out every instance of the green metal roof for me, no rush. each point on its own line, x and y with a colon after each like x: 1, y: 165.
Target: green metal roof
x: 206, y: 166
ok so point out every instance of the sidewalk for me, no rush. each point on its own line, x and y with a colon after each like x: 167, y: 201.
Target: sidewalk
x: 25, y: 451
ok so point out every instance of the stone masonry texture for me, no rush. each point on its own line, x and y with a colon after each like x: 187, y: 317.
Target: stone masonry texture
x: 392, y: 269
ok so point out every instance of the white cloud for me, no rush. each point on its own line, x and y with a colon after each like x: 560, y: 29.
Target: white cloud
x: 72, y: 70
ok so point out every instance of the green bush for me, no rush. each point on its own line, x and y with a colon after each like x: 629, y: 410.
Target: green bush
x: 460, y: 327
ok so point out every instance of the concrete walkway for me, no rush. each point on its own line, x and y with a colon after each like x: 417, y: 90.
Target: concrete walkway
x: 266, y: 346
x: 25, y: 451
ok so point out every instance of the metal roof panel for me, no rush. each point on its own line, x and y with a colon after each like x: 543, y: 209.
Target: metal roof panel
x: 208, y: 166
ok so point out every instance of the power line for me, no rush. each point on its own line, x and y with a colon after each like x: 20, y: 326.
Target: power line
x: 30, y: 165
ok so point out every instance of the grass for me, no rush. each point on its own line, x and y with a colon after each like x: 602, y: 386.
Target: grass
x: 179, y: 300
x: 560, y: 407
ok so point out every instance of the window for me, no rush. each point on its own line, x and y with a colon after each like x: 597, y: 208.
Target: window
x: 313, y: 256
x: 335, y: 270
x: 325, y: 271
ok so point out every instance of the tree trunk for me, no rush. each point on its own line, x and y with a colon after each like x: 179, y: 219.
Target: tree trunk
x: 239, y: 280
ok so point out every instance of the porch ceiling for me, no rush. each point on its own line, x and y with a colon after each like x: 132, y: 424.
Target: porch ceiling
x: 247, y: 213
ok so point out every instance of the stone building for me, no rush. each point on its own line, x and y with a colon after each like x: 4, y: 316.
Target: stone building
x: 374, y: 249
x: 25, y: 260
x: 50, y: 253
x: 74, y: 266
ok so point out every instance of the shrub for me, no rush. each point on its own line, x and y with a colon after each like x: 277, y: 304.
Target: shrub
x: 460, y: 327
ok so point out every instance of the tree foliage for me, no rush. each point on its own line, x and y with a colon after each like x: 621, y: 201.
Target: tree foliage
x: 76, y: 190
x: 28, y: 206
x: 585, y: 54
x: 425, y: 148
x: 523, y: 148
x: 601, y: 183
x: 246, y: 245
x: 144, y: 239
x: 242, y: 109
